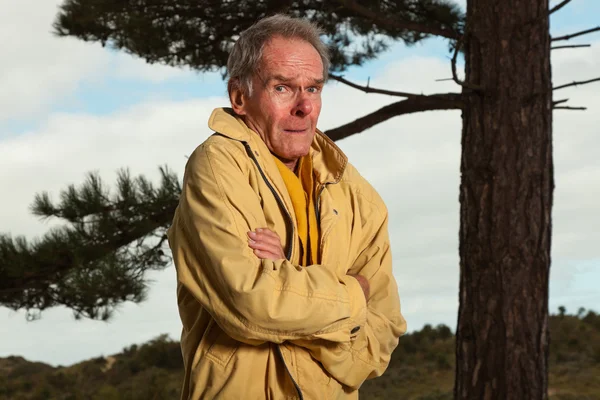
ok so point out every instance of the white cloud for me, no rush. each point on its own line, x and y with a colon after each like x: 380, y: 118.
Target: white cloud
x: 135, y: 68
x: 36, y: 67
x: 39, y: 70
x: 67, y: 146
x: 412, y: 160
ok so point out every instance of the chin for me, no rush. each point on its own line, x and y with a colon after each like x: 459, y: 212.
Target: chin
x: 292, y: 151
x: 302, y: 153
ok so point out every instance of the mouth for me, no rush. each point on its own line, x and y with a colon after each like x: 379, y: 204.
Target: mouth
x: 295, y: 131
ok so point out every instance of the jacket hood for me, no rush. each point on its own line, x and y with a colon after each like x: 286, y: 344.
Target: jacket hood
x: 329, y: 161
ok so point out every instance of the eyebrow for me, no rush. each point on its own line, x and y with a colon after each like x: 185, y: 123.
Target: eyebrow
x: 282, y: 78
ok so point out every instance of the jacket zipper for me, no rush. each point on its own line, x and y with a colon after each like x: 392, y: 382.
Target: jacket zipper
x: 289, y: 373
x: 288, y: 254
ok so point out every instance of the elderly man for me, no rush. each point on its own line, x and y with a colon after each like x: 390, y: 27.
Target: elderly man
x: 285, y: 285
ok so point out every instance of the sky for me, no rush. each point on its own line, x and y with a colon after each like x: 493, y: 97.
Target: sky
x: 70, y: 107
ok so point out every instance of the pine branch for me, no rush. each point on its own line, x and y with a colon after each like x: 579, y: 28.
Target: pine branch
x: 576, y: 83
x: 392, y: 24
x: 455, y: 77
x: 555, y: 105
x: 368, y: 89
x: 99, y: 261
x: 574, y: 46
x: 559, y: 6
x: 576, y: 34
x: 445, y: 101
x: 570, y: 108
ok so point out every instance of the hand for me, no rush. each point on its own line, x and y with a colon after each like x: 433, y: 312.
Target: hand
x: 266, y: 244
x: 364, y: 284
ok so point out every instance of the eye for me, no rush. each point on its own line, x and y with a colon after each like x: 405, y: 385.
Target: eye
x: 280, y: 88
x: 313, y: 89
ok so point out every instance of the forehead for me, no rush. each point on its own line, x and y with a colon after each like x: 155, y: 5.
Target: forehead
x: 291, y: 55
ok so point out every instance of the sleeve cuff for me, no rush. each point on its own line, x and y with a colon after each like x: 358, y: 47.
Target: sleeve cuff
x: 358, y: 307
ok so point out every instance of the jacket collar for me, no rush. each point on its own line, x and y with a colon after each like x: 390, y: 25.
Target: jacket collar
x: 329, y: 161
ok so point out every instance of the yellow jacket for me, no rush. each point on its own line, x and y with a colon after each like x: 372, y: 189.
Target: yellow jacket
x: 270, y: 329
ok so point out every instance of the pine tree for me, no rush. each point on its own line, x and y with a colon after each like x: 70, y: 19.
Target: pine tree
x: 98, y: 260
x: 506, y: 165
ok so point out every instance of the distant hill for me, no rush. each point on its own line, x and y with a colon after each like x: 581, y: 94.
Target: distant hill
x: 422, y: 368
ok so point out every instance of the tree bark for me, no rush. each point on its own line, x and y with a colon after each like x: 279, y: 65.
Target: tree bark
x: 506, y: 201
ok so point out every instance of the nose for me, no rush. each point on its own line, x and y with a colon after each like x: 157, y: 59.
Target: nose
x: 303, y: 107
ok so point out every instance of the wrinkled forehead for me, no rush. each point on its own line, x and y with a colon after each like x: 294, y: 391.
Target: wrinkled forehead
x: 289, y: 58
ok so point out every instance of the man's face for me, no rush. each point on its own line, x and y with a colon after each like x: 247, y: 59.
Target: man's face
x: 286, y: 98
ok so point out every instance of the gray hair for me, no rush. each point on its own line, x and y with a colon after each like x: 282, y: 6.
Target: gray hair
x: 247, y: 51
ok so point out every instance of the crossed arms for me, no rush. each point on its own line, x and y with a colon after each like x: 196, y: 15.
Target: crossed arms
x: 258, y: 300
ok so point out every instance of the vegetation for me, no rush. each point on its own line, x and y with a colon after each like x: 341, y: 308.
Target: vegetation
x: 422, y: 368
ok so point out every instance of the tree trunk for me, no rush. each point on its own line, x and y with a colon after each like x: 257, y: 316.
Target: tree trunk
x: 506, y: 200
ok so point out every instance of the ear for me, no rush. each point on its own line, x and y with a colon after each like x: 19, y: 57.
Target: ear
x: 236, y: 97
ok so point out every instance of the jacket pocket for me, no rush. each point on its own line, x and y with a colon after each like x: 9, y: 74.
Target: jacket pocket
x: 221, y: 347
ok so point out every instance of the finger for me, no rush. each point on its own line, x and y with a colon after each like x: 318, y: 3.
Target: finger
x: 266, y: 255
x: 262, y: 236
x: 276, y: 250
x: 268, y: 232
x: 263, y: 246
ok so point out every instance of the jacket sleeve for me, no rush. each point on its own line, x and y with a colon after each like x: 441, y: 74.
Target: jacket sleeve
x: 252, y: 300
x: 368, y: 355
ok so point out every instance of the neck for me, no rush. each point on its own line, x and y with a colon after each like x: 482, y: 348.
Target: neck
x: 291, y: 164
